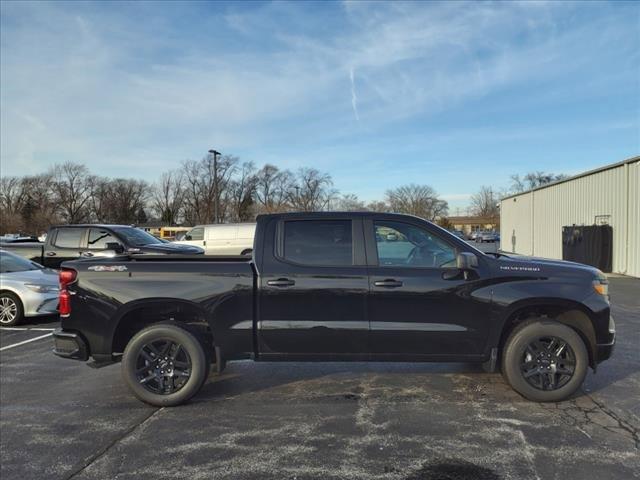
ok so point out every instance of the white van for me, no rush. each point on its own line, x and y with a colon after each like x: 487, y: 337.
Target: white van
x: 222, y: 239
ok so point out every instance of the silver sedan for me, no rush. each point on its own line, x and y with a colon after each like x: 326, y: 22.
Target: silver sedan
x: 27, y: 289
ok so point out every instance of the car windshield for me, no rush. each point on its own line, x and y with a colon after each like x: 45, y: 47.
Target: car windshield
x: 10, y: 262
x: 136, y: 237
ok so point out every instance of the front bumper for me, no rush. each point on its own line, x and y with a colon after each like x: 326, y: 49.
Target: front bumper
x: 605, y: 350
x: 70, y: 345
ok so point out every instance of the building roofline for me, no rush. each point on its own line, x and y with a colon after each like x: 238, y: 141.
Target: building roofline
x: 574, y: 177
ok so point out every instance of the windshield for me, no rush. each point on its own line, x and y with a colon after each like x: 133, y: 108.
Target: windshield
x: 136, y: 237
x: 10, y: 262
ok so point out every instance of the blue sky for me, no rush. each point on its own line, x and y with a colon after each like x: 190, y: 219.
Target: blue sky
x: 454, y: 95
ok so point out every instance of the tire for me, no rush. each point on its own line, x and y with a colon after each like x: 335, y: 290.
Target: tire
x: 532, y: 367
x: 11, y: 310
x: 248, y: 251
x: 158, y: 380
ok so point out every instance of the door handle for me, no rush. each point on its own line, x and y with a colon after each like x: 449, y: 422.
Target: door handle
x: 51, y: 254
x: 388, y: 283
x: 281, y: 282
x: 86, y: 254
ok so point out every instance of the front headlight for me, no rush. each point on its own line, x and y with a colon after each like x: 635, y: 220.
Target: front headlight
x: 42, y: 288
x: 601, y: 284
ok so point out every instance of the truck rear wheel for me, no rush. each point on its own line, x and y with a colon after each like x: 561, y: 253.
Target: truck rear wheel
x: 165, y: 365
x: 545, y: 361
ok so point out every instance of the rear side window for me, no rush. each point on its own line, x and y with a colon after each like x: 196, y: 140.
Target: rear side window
x: 318, y: 242
x: 98, y: 239
x: 69, y: 237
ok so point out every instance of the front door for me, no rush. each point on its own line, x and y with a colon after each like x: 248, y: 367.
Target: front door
x: 313, y: 290
x: 420, y: 304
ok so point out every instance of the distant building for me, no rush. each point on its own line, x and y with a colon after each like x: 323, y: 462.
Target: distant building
x: 470, y: 224
x: 597, y: 211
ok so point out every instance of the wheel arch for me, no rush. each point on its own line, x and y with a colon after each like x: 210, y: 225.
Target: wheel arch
x: 566, y: 312
x: 139, y: 314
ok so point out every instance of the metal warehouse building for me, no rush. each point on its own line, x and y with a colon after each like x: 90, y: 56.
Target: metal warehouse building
x: 531, y: 222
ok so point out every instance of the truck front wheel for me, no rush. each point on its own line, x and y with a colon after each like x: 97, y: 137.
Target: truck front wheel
x: 545, y: 361
x: 165, y: 365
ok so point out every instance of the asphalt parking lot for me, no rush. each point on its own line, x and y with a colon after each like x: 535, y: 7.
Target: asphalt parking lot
x: 60, y: 419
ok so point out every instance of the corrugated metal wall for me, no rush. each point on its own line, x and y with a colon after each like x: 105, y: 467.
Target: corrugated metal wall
x: 633, y: 264
x: 537, y: 217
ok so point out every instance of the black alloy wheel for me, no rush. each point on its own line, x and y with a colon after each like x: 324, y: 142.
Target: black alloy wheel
x: 548, y: 363
x: 163, y: 366
x: 166, y: 363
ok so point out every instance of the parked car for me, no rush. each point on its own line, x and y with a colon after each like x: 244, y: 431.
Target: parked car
x: 484, y: 236
x: 222, y: 239
x: 27, y: 289
x: 326, y: 287
x: 458, y: 233
x: 17, y: 239
x: 66, y: 242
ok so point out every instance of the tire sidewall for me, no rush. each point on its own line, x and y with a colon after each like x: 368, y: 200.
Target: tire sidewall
x: 19, y: 309
x: 516, y: 346
x: 189, y: 342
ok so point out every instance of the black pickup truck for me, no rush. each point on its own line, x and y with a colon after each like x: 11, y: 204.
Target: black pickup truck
x: 336, y: 286
x: 68, y: 242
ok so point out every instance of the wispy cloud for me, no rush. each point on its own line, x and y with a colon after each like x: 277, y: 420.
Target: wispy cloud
x: 354, y: 97
x: 141, y: 87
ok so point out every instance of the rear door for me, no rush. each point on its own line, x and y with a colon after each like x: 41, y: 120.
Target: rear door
x: 313, y: 290
x: 66, y: 245
x: 420, y: 303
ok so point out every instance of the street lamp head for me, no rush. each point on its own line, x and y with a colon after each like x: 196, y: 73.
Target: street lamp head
x: 214, y: 152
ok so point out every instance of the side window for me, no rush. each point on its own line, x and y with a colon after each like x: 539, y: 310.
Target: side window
x: 196, y: 233
x: 318, y: 242
x: 98, y: 239
x: 401, y: 244
x: 69, y: 237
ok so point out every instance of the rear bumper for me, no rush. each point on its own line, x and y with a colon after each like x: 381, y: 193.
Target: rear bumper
x: 70, y: 345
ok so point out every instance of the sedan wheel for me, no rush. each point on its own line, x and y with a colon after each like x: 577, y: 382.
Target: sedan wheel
x: 10, y: 310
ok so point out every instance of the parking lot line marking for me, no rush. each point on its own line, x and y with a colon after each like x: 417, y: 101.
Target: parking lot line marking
x: 26, y: 329
x: 25, y: 341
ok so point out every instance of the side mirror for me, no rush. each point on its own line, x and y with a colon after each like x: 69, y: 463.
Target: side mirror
x: 187, y: 237
x: 115, y: 246
x: 466, y: 261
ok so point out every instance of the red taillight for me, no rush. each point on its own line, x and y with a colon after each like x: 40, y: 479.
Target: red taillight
x: 64, y: 300
x: 66, y: 277
x: 64, y: 303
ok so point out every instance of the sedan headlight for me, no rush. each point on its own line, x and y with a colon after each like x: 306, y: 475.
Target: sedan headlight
x: 42, y: 288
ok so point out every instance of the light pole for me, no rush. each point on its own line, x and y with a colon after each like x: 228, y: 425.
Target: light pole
x: 215, y: 184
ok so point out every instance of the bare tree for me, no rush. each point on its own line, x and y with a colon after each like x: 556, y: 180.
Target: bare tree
x: 419, y: 200
x: 205, y: 183
x: 484, y: 203
x: 313, y: 190
x: 241, y: 193
x: 125, y: 200
x: 378, y: 206
x: 168, y: 195
x: 273, y: 189
x: 12, y: 197
x: 71, y: 190
x: 349, y: 203
x: 38, y: 209
x: 534, y: 180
